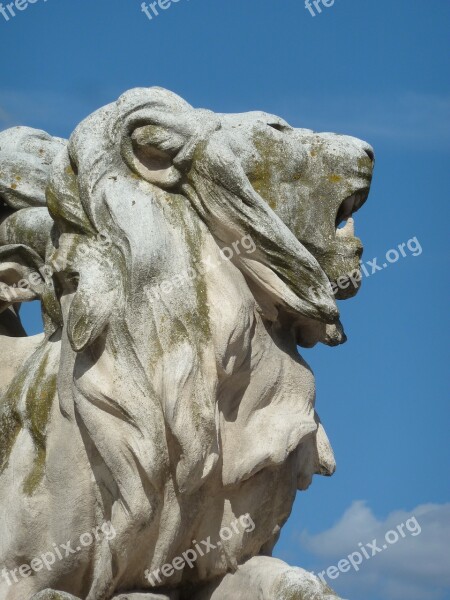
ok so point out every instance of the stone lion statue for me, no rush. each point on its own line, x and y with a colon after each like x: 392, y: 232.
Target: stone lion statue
x: 152, y: 440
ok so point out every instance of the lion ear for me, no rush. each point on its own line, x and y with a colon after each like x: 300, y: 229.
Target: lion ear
x: 146, y: 154
x: 155, y: 126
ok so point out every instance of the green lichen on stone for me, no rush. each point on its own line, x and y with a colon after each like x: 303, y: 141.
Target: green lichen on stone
x: 198, y: 418
x: 198, y: 318
x: 333, y: 178
x: 39, y: 400
x: 365, y: 163
x: 65, y: 205
x: 10, y: 419
x: 261, y: 179
x: 39, y: 396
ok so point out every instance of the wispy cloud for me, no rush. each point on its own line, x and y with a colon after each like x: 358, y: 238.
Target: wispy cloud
x: 6, y: 120
x: 409, y: 119
x: 416, y: 567
x: 56, y: 112
x: 420, y: 121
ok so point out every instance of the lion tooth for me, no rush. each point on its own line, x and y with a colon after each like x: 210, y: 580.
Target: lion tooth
x: 348, y: 230
x: 351, y: 226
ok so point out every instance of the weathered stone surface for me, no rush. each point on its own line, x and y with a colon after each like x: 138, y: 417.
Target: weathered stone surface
x: 264, y: 578
x: 180, y: 256
x: 147, y: 596
x: 52, y: 595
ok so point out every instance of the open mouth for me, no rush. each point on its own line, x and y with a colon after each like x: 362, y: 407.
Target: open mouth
x: 345, y: 213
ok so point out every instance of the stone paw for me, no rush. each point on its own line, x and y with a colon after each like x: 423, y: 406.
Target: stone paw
x: 297, y: 584
x: 265, y: 578
x: 147, y: 596
x: 53, y: 595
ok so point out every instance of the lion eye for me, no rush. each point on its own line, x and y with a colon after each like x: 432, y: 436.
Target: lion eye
x: 277, y: 126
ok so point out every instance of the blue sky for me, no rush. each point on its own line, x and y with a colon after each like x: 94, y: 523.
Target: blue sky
x: 376, y: 70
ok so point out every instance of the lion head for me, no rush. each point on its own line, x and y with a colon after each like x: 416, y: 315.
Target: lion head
x: 193, y: 397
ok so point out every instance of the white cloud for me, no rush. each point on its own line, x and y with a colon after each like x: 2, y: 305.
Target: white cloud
x: 56, y: 112
x: 416, y: 567
x: 416, y: 120
x: 5, y: 118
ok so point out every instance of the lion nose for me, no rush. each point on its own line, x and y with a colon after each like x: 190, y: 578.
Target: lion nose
x: 365, y: 148
x: 362, y: 147
x: 370, y: 153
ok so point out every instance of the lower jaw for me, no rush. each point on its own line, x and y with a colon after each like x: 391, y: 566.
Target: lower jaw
x: 347, y: 286
x: 342, y: 267
x: 309, y: 333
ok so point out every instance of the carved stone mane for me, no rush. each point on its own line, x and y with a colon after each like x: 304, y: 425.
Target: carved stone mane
x: 180, y: 257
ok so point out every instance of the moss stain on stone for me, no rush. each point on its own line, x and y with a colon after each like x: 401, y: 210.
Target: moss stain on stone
x: 10, y: 419
x: 333, y: 178
x: 39, y: 400
x: 365, y: 164
x: 260, y: 177
x: 198, y: 318
x: 39, y: 396
x: 65, y: 205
